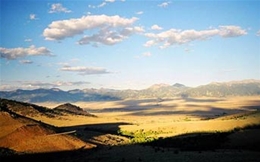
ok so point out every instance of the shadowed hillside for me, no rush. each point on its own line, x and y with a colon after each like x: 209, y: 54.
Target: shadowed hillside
x: 25, y: 135
x: 27, y: 109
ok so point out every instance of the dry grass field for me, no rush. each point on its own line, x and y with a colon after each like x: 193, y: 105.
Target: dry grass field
x: 176, y: 129
x: 169, y: 116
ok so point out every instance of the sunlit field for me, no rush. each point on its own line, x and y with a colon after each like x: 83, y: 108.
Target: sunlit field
x: 167, y: 117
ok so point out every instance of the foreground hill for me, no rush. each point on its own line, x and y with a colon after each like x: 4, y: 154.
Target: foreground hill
x: 237, y: 88
x: 32, y: 110
x: 25, y: 135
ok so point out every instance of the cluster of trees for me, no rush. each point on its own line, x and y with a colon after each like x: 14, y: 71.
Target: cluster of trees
x: 141, y: 136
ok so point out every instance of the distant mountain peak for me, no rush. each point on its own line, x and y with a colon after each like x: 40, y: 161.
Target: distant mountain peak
x: 178, y: 85
x: 160, y: 85
x: 56, y: 89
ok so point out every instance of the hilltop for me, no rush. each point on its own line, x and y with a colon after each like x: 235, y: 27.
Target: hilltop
x: 72, y: 109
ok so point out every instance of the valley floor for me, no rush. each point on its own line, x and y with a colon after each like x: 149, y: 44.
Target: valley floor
x: 177, y: 129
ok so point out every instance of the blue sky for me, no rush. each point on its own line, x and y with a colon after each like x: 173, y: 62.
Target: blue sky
x: 124, y: 44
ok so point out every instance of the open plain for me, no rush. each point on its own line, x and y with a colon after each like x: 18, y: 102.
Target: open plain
x: 179, y: 129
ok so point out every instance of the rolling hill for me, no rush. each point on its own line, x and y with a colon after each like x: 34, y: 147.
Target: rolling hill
x: 31, y: 110
x: 20, y: 133
x: 72, y: 109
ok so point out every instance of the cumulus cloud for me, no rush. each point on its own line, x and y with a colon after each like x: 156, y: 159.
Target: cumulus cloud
x: 14, y: 53
x: 25, y: 61
x: 164, y: 4
x: 57, y: 7
x: 156, y: 27
x: 108, y: 36
x: 82, y: 70
x: 231, y: 31
x: 175, y: 36
x: 110, y: 29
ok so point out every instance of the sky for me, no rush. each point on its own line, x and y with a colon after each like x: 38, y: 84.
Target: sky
x: 127, y: 44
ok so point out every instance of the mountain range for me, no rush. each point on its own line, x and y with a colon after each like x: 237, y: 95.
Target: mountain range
x: 215, y: 89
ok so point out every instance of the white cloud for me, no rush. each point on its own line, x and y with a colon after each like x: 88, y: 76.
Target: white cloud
x: 174, y: 36
x: 156, y: 27
x: 8, y: 86
x: 57, y: 7
x: 91, y: 6
x: 164, y: 4
x: 28, y: 40
x: 108, y: 36
x: 82, y: 70
x: 231, y: 31
x: 32, y: 17
x: 139, y: 12
x: 147, y: 54
x: 258, y: 33
x: 142, y: 55
x: 110, y: 29
x: 54, y: 84
x: 102, y: 4
x: 14, y: 53
x: 25, y: 61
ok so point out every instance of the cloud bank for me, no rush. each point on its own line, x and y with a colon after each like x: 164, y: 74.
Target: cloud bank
x: 175, y: 36
x: 38, y: 84
x: 14, y: 53
x: 82, y: 70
